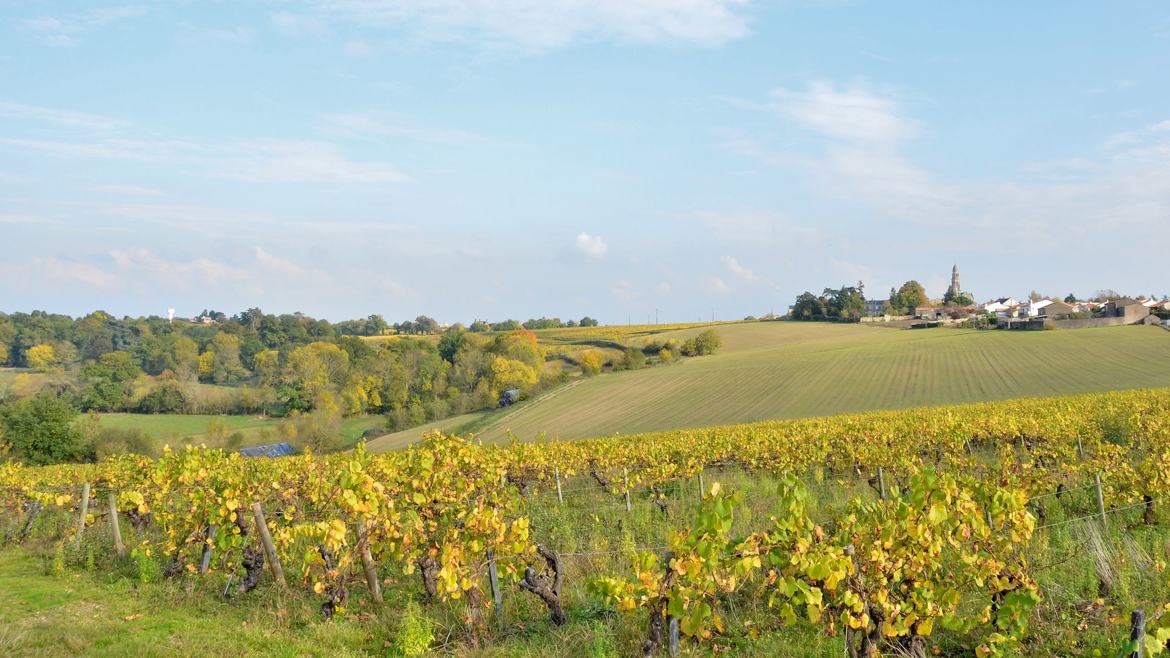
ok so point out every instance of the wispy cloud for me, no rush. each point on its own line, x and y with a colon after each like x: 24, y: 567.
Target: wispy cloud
x: 65, y: 30
x: 591, y: 246
x: 850, y: 113
x: 67, y: 118
x: 298, y: 25
x: 733, y: 265
x: 274, y: 161
x: 550, y: 24
x: 388, y: 124
x: 303, y: 162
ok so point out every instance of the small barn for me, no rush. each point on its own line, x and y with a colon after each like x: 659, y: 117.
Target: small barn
x: 269, y: 450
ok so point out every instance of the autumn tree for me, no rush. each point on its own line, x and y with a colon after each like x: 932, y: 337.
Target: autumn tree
x: 591, y: 362
x: 510, y: 373
x: 41, y: 357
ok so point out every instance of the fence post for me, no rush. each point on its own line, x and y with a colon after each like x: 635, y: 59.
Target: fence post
x: 269, y: 547
x: 118, y: 546
x: 205, y: 560
x: 560, y: 496
x: 368, y: 563
x: 34, y: 508
x: 629, y: 507
x: 881, y: 483
x: 673, y: 633
x: 1137, y: 634
x: 84, y: 512
x: 702, y: 490
x: 1100, y: 502
x: 497, y: 595
x: 1080, y: 448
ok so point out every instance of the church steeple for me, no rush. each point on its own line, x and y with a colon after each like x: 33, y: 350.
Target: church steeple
x: 956, y: 289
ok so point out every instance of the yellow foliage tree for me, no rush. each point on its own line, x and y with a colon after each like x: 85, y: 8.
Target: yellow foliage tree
x: 41, y: 357
x: 510, y: 373
x: 206, y: 363
x: 591, y: 362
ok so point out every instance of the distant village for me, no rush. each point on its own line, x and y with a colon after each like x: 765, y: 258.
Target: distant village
x: 1036, y: 312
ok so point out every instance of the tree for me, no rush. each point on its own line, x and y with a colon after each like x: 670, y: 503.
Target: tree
x: 479, y: 327
x: 1070, y: 298
x: 227, y: 366
x: 591, y: 362
x: 703, y: 344
x: 909, y: 297
x: 587, y: 322
x: 510, y: 373
x: 41, y: 357
x: 809, y: 307
x: 41, y: 430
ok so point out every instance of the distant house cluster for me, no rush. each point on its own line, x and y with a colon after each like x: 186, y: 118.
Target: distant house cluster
x: 1034, y: 312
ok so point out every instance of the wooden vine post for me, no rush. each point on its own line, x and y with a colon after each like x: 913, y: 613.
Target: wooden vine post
x: 205, y: 559
x: 115, y: 527
x: 1080, y: 448
x: 368, y: 565
x: 1137, y: 634
x: 269, y: 547
x: 560, y: 496
x: 83, y: 514
x: 702, y: 490
x: 881, y: 475
x: 672, y: 634
x: 1100, y: 502
x: 494, y: 580
x: 629, y: 506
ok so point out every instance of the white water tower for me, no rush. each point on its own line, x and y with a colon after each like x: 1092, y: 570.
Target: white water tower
x: 170, y: 315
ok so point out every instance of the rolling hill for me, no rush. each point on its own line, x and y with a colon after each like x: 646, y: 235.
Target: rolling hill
x: 769, y: 370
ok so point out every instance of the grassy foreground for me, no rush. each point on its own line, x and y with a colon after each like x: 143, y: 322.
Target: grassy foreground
x: 86, y: 602
x: 774, y: 370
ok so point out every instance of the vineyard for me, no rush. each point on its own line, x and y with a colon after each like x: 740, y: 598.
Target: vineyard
x: 1030, y: 526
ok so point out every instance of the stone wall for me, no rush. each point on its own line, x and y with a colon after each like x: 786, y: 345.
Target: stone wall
x: 1089, y: 323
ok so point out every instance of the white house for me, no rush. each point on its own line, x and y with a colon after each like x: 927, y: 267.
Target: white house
x: 1000, y: 307
x: 1032, y: 309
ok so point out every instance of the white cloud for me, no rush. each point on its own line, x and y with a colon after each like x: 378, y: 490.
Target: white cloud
x: 298, y: 25
x: 386, y: 124
x: 66, y: 30
x: 128, y: 190
x: 279, y: 265
x: 303, y: 162
x: 18, y: 218
x: 236, y: 36
x: 591, y: 246
x: 663, y: 288
x: 624, y: 291
x: 134, y: 263
x: 716, y: 285
x: 734, y: 266
x: 358, y: 48
x: 549, y: 24
x: 848, y: 113
x: 276, y: 161
x: 68, y: 118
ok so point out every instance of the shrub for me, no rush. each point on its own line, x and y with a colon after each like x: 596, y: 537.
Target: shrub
x: 416, y: 632
x: 591, y: 362
x: 703, y: 344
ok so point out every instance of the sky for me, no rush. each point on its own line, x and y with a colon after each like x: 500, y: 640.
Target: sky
x: 472, y: 159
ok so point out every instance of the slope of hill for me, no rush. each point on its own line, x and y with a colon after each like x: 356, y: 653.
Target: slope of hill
x: 788, y: 370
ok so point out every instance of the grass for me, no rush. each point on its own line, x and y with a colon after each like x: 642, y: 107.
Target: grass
x: 99, y: 606
x: 773, y: 370
x: 184, y: 428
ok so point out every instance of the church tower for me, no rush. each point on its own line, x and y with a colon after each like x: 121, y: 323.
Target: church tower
x: 955, y: 290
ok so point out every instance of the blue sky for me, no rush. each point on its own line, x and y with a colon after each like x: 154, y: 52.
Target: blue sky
x: 517, y: 158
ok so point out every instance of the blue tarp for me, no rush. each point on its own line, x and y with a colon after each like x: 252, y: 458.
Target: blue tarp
x: 269, y: 450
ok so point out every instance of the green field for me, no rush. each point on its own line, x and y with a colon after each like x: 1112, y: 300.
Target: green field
x: 769, y: 370
x: 188, y: 427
